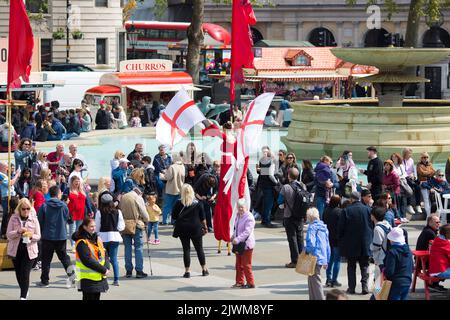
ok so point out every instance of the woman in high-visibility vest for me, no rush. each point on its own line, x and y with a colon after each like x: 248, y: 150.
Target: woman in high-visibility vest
x: 92, y: 264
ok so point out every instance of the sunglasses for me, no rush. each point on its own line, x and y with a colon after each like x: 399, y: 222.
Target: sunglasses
x: 25, y: 209
x: 290, y: 158
x: 26, y: 144
x: 441, y: 175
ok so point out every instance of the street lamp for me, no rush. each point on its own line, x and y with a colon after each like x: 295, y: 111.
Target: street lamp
x: 69, y: 7
x: 133, y: 39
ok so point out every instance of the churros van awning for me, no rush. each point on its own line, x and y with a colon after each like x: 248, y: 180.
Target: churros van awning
x: 162, y: 87
x: 104, y: 90
x: 146, y: 81
x: 121, y: 79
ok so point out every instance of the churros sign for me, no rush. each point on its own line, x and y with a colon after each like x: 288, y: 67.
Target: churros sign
x: 153, y: 65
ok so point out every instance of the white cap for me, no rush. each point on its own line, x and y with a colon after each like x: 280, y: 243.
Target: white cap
x: 396, y: 235
x: 122, y: 160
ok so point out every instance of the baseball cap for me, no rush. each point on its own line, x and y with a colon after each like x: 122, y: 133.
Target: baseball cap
x: 396, y: 235
x: 122, y: 160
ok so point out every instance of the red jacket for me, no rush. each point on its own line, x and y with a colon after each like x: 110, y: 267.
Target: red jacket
x: 77, y: 205
x: 439, y: 255
x: 39, y: 200
x: 392, y: 182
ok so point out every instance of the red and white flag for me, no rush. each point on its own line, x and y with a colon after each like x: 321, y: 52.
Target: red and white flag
x: 180, y: 115
x: 252, y: 124
x: 20, y: 46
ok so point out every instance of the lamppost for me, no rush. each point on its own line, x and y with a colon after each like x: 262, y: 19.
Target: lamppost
x: 133, y: 39
x: 68, y: 7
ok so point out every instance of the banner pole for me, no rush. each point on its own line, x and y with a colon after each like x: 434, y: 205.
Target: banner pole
x: 8, y: 121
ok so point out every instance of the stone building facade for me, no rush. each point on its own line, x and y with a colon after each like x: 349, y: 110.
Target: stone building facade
x: 103, y: 40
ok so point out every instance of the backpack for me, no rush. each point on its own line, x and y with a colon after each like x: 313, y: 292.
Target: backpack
x: 388, y: 243
x: 302, y: 201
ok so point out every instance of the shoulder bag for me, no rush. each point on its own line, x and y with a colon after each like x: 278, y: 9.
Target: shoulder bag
x: 239, y: 248
x: 306, y: 263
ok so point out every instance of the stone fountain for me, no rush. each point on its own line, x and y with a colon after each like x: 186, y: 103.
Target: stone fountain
x: 390, y: 123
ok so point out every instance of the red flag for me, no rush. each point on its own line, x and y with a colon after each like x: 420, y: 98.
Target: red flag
x: 20, y: 47
x: 241, y: 41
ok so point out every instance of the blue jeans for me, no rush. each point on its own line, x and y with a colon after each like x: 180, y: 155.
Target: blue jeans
x: 169, y: 202
x: 334, y: 265
x: 445, y: 274
x: 72, y: 228
x: 152, y: 226
x: 399, y: 293
x: 268, y: 204
x: 68, y: 136
x: 128, y: 241
x: 113, y: 248
x: 321, y: 203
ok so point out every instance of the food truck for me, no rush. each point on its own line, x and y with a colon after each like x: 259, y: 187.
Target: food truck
x: 153, y: 80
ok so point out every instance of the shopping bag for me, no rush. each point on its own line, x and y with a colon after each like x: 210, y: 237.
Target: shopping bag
x: 383, y: 294
x: 306, y: 264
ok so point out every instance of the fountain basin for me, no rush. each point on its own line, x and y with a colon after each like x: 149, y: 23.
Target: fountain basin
x: 332, y: 126
x: 391, y: 59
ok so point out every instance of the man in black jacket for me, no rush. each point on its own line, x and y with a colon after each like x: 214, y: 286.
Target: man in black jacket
x: 355, y: 236
x: 292, y: 225
x: 374, y: 173
x: 101, y: 118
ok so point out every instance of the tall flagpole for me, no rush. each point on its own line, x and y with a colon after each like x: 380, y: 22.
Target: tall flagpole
x: 8, y: 121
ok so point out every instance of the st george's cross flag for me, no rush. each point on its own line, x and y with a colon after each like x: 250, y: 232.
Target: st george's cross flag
x: 180, y: 115
x: 20, y: 45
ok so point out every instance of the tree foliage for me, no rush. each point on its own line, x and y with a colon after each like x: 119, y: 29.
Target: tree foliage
x: 430, y: 8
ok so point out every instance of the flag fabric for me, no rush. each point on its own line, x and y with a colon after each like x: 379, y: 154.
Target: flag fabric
x: 241, y: 41
x: 236, y: 149
x: 253, y: 122
x: 20, y: 46
x: 180, y: 115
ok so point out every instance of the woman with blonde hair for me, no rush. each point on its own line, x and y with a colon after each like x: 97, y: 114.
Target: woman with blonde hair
x: 23, y: 235
x: 104, y: 184
x: 39, y: 164
x: 317, y: 244
x: 47, y: 176
x: 136, y: 180
x: 190, y: 225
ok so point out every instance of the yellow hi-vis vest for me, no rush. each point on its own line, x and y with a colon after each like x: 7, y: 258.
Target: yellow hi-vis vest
x: 98, y: 253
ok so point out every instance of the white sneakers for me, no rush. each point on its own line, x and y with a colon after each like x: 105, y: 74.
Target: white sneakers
x: 410, y: 209
x: 404, y: 220
x: 418, y: 209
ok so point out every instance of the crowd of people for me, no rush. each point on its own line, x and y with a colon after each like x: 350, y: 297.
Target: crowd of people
x: 53, y: 201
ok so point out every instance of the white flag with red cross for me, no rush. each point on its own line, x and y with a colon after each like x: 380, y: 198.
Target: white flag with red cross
x: 180, y: 115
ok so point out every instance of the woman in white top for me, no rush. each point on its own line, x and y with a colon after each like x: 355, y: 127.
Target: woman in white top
x: 122, y: 119
x: 400, y: 169
x: 109, y: 222
x: 119, y: 154
x: 348, y: 175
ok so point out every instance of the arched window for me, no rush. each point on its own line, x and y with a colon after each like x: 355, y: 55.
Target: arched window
x: 256, y: 35
x: 322, y: 37
x: 377, y: 38
x: 428, y: 38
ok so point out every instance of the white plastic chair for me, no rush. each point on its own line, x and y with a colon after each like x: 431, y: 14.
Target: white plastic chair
x: 440, y: 208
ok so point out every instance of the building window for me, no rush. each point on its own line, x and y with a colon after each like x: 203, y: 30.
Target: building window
x: 122, y: 44
x: 302, y: 61
x: 101, y: 3
x: 37, y: 6
x: 101, y: 51
x: 46, y: 52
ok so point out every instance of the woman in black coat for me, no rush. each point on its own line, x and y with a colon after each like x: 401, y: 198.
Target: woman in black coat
x: 91, y: 289
x: 308, y: 175
x: 190, y: 225
x: 331, y: 219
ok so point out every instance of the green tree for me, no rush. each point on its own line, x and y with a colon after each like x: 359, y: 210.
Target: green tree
x: 417, y: 9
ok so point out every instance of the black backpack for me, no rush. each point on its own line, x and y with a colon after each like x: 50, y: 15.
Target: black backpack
x: 302, y: 202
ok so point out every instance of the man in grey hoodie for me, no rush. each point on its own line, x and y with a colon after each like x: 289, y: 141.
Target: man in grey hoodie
x: 53, y: 216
